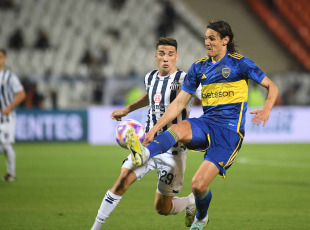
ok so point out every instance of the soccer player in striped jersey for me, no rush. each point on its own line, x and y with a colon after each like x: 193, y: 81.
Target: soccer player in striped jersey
x: 162, y: 86
x: 11, y: 95
x: 219, y: 132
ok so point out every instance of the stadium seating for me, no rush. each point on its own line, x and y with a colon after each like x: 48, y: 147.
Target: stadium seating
x: 293, y: 11
x: 280, y: 29
x: 74, y: 26
x: 84, y: 27
x: 294, y: 87
x: 129, y: 34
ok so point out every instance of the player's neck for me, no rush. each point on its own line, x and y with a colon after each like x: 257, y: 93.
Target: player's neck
x: 165, y: 74
x: 1, y: 68
x: 218, y: 57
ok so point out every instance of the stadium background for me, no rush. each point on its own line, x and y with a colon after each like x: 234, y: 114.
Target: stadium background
x: 87, y: 58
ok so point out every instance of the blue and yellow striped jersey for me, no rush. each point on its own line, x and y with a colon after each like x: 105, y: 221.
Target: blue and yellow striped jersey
x: 224, y: 88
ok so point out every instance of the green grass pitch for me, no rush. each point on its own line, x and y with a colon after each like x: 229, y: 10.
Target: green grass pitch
x: 61, y: 186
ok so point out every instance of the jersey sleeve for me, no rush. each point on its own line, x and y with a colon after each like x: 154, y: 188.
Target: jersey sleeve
x: 251, y: 71
x: 15, y: 83
x: 191, y: 82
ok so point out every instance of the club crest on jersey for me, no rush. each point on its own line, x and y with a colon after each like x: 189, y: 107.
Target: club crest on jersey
x: 226, y: 72
x: 175, y: 85
x: 157, y: 98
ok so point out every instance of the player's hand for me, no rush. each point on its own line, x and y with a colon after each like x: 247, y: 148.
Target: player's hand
x: 148, y: 138
x: 261, y: 116
x: 6, y: 111
x: 118, y: 114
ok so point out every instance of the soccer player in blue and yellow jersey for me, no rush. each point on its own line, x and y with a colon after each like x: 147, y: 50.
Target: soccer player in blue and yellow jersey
x: 219, y: 132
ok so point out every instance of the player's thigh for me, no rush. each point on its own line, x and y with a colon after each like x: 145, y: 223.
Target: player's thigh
x: 184, y: 131
x: 140, y: 171
x: 203, y: 177
x: 224, y: 147
x: 170, y: 172
x: 200, y: 134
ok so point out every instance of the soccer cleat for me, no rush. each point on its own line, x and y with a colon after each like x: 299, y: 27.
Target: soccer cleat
x: 200, y: 224
x: 7, y: 177
x: 190, y: 211
x: 138, y: 151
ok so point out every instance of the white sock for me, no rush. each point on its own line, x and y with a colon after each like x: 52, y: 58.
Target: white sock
x: 109, y: 203
x: 10, y: 159
x: 179, y: 204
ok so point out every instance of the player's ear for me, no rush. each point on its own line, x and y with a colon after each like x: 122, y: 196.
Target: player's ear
x: 225, y: 40
x: 176, y: 56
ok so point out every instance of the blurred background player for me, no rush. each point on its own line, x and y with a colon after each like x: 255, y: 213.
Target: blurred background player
x: 219, y: 132
x: 162, y: 87
x: 11, y: 95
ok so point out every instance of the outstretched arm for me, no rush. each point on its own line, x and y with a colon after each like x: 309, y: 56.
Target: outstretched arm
x: 262, y: 116
x: 174, y: 109
x: 139, y: 103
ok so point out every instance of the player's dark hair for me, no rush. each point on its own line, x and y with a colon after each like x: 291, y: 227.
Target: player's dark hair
x: 3, y: 51
x: 167, y: 41
x: 224, y: 29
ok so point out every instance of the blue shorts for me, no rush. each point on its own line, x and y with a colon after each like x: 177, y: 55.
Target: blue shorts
x: 220, y: 144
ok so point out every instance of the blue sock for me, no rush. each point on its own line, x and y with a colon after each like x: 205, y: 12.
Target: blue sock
x: 163, y: 142
x: 202, y: 204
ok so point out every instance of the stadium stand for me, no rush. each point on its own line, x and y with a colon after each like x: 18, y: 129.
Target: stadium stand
x: 295, y: 16
x: 90, y: 25
x: 280, y: 29
x: 120, y: 39
x: 127, y: 33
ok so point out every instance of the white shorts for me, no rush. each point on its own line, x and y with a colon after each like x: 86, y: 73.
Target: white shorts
x: 7, y: 130
x: 170, y: 171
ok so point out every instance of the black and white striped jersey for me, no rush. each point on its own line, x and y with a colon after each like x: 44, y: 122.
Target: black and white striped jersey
x: 9, y: 86
x: 162, y: 91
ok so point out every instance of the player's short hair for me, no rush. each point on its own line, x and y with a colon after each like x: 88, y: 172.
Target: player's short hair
x: 3, y: 51
x: 224, y: 29
x: 167, y: 41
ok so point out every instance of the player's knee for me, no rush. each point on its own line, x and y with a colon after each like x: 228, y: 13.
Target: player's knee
x: 162, y: 210
x: 174, y: 127
x: 183, y: 130
x: 198, y: 186
x: 177, y: 128
x: 7, y: 148
x: 162, y: 207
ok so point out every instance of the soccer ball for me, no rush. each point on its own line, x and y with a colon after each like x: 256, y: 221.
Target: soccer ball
x: 122, y: 128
